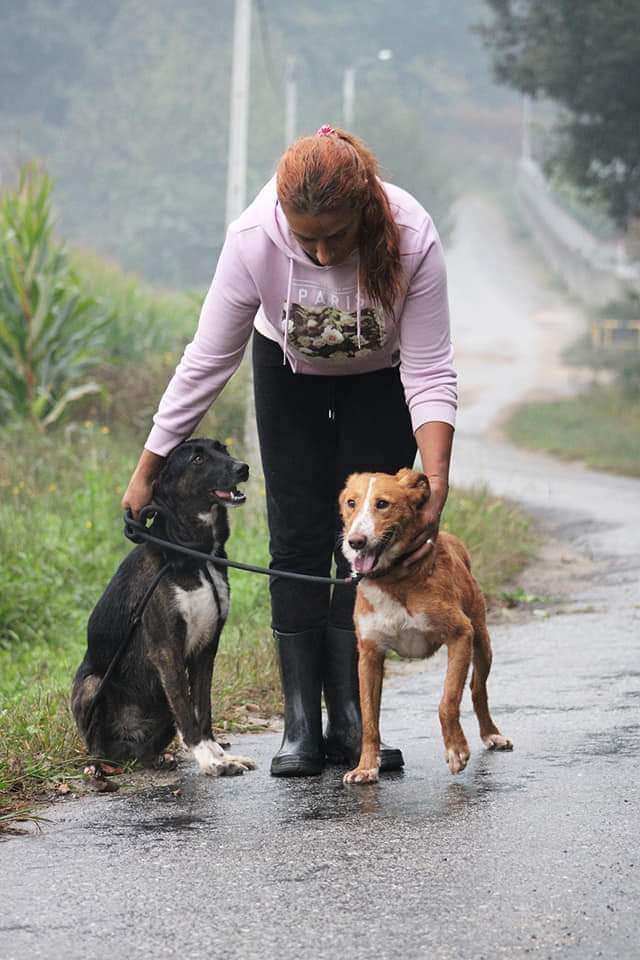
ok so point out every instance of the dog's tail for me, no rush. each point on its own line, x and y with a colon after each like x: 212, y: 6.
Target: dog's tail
x: 83, y: 704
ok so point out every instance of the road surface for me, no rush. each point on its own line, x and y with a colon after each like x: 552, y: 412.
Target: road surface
x: 526, y: 854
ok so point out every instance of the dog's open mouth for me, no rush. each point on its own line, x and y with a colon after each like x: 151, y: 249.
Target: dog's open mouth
x: 366, y: 561
x: 230, y: 498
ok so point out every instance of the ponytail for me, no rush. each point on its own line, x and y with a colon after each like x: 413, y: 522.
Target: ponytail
x: 334, y: 169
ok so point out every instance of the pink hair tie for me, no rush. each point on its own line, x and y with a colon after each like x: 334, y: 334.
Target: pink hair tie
x: 325, y: 131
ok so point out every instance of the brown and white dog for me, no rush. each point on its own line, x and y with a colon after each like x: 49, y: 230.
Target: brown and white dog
x: 413, y: 610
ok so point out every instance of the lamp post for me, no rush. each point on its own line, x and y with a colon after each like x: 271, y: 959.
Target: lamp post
x: 349, y: 84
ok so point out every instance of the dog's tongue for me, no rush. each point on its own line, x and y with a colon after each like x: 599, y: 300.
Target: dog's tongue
x: 365, y: 562
x: 224, y: 494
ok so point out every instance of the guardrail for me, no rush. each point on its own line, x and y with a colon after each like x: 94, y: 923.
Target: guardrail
x: 597, y: 271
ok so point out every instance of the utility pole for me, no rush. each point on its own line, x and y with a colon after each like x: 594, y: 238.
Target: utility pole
x: 291, y: 101
x: 239, y: 112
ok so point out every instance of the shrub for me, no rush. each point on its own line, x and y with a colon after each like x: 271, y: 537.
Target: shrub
x: 50, y: 334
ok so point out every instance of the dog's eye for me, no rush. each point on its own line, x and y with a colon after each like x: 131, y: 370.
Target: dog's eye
x: 381, y: 504
x: 351, y: 504
x: 198, y: 458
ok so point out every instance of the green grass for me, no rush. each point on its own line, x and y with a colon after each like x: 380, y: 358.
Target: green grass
x: 600, y: 427
x: 143, y: 320
x: 61, y: 541
x: 500, y: 538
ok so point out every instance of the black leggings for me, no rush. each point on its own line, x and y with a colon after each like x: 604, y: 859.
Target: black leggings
x: 314, y: 431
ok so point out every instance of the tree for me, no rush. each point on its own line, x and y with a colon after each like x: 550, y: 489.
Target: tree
x: 583, y: 54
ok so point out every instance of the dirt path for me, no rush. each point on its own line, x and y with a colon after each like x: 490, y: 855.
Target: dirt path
x: 509, y: 323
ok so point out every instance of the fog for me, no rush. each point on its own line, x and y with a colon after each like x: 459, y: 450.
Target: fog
x: 127, y: 106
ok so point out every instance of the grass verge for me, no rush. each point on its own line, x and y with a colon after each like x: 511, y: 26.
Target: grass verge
x: 60, y: 540
x: 600, y: 427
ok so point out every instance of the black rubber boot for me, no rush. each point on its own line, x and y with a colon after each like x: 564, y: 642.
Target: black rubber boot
x: 301, y: 753
x: 343, y: 736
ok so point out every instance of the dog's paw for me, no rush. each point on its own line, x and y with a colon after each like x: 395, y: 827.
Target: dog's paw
x: 457, y: 758
x: 245, y: 762
x: 497, y: 742
x: 362, y: 775
x: 214, y: 762
x: 165, y: 761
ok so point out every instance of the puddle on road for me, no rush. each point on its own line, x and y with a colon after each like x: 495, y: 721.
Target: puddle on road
x: 618, y: 742
x: 179, y: 823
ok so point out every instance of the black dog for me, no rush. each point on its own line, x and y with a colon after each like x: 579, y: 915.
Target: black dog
x: 162, y: 684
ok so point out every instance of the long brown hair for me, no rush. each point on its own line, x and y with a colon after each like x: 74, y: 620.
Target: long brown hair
x: 334, y: 169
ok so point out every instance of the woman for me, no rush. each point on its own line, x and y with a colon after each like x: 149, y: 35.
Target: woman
x: 341, y: 279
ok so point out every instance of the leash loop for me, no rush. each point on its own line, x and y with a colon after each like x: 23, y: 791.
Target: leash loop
x: 138, y: 532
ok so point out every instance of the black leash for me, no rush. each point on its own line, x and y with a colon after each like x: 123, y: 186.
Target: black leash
x: 135, y: 620
x: 138, y: 532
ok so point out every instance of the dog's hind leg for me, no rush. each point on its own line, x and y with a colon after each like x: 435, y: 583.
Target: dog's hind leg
x: 89, y: 723
x: 459, y: 660
x: 482, y: 657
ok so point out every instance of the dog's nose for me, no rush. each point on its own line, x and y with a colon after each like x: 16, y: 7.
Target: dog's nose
x: 241, y: 472
x: 357, y: 542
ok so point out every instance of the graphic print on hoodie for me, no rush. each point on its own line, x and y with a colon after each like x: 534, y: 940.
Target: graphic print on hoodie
x: 323, y: 322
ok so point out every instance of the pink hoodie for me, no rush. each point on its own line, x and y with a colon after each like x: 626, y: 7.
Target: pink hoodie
x: 317, y: 315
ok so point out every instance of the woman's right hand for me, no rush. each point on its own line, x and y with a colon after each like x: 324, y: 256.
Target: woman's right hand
x: 139, y: 490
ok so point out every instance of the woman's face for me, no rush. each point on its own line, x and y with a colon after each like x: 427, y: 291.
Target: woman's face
x: 329, y: 238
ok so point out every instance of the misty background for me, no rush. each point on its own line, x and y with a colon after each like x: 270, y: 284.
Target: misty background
x: 127, y: 105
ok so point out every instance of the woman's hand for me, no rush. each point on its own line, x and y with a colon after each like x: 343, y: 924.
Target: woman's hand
x: 430, y: 522
x: 139, y: 491
x: 434, y: 440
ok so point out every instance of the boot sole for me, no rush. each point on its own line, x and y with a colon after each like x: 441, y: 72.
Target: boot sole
x: 296, y: 767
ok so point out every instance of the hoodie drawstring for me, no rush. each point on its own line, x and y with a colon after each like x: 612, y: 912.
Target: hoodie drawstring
x: 358, y: 301
x: 286, y: 312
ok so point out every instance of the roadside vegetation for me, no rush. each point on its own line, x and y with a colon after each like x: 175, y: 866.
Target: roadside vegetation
x: 601, y: 426
x: 62, y: 477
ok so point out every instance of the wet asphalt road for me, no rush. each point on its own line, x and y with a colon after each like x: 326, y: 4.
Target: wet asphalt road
x: 530, y: 853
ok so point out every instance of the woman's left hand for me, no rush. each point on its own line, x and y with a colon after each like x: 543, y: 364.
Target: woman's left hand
x: 430, y: 516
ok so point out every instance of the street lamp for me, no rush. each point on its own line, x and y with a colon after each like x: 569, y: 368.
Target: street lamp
x: 349, y: 84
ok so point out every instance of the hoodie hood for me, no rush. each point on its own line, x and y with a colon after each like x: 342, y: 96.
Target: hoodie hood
x: 266, y: 213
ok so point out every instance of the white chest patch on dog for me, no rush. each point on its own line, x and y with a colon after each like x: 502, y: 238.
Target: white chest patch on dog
x: 200, y: 610
x: 392, y: 626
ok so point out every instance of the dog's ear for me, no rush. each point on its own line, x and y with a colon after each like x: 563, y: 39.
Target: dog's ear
x: 164, y: 484
x: 416, y: 483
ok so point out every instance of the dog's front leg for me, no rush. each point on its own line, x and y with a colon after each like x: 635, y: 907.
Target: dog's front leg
x: 200, y: 677
x: 370, y: 673
x: 209, y: 755
x: 459, y: 660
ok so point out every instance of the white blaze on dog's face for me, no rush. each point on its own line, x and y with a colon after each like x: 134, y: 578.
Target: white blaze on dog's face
x: 381, y: 516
